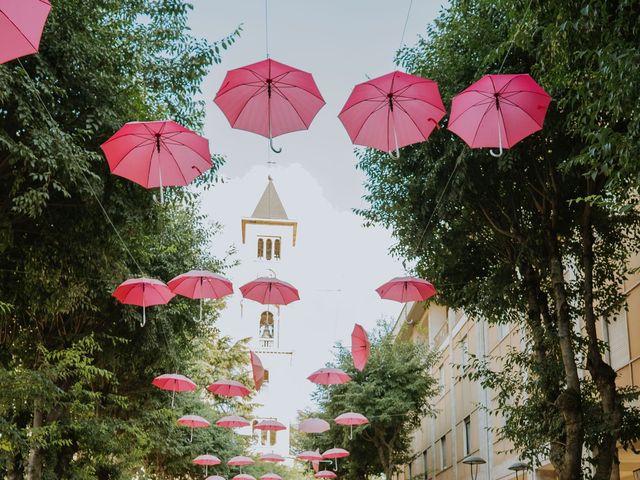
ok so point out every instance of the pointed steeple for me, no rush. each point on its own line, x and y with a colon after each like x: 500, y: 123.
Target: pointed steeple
x: 270, y: 206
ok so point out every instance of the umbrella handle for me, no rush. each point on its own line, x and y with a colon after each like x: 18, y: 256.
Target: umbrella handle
x: 395, y: 137
x: 274, y: 149
x: 191, y: 437
x: 499, y: 152
x: 144, y: 316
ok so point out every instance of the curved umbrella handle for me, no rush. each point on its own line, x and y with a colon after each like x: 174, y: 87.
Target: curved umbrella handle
x: 274, y: 149
x: 395, y: 156
x: 395, y: 137
x: 498, y: 153
x: 144, y: 316
x: 501, y: 150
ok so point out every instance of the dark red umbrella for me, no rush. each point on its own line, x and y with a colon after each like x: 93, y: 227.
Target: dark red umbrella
x: 360, y: 347
x: 143, y: 292
x: 201, y: 284
x: 498, y: 111
x: 406, y: 289
x: 270, y: 291
x: 269, y: 98
x: 228, y: 388
x: 329, y: 376
x: 392, y: 111
x: 157, y: 154
x: 257, y: 370
x: 174, y: 383
x: 21, y: 25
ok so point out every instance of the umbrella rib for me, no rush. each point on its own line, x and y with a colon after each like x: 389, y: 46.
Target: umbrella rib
x: 277, y: 90
x: 411, y: 118
x: 477, y: 104
x: 258, y: 92
x: 177, y: 142
x: 419, y: 100
x: 142, y: 144
x: 480, y: 122
x: 513, y: 104
x: 19, y: 30
x: 369, y: 99
x: 379, y: 107
x: 299, y: 87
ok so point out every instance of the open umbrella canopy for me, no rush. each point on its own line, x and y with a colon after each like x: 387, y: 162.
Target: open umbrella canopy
x: 143, y: 292
x: 498, y: 111
x: 193, y: 421
x: 351, y: 418
x: 244, y: 476
x: 206, y: 460
x: 360, y: 347
x: 257, y: 370
x: 329, y: 376
x: 233, y: 421
x: 215, y: 477
x: 270, y: 291
x: 201, y: 284
x: 240, y: 461
x: 406, y: 289
x: 325, y: 474
x: 228, y: 388
x: 392, y: 111
x: 309, y: 456
x: 270, y: 425
x: 272, y: 457
x: 21, y: 26
x: 174, y: 382
x: 335, y: 453
x: 314, y: 425
x: 270, y: 476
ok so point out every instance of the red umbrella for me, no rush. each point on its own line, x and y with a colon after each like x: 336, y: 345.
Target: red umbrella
x: 201, y: 284
x: 269, y: 98
x: 498, y: 111
x: 229, y: 388
x: 175, y: 383
x: 257, y: 369
x: 240, y: 461
x: 406, y: 289
x: 310, y: 456
x: 243, y: 476
x: 392, y: 111
x: 193, y: 421
x: 206, y: 460
x: 272, y: 457
x: 329, y: 376
x: 270, y: 425
x: 232, y: 421
x: 157, y: 154
x: 21, y: 25
x: 335, y: 453
x: 325, y: 474
x: 271, y: 476
x: 143, y: 292
x: 351, y: 419
x: 313, y: 425
x: 360, y: 347
x: 270, y: 291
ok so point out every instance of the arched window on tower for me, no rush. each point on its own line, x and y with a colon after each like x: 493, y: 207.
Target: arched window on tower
x: 269, y: 249
x: 260, y: 248
x: 276, y: 249
x: 267, y: 329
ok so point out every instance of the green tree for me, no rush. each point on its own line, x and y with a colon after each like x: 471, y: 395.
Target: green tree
x: 393, y: 392
x: 542, y: 235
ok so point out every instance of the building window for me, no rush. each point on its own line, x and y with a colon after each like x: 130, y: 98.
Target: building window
x: 467, y: 435
x: 265, y: 378
x: 276, y: 248
x: 443, y: 453
x: 503, y: 330
x: 260, y: 248
x: 441, y: 377
x: 267, y: 326
x: 464, y: 347
x: 425, y: 464
x: 269, y: 249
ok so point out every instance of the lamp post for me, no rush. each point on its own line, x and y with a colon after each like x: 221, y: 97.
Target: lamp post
x: 474, y: 460
x: 519, y: 467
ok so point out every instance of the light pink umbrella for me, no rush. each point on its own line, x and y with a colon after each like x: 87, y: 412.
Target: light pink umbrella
x: 232, y: 421
x: 270, y: 291
x: 199, y: 284
x: 272, y: 457
x: 143, y: 292
x: 351, y: 419
x: 271, y: 476
x: 498, y: 111
x: 335, y: 453
x: 215, y: 477
x: 329, y: 376
x: 257, y: 370
x: 206, y: 460
x: 21, y: 26
x: 240, y: 461
x: 316, y: 465
x: 270, y: 425
x: 309, y: 456
x: 174, y: 383
x: 325, y: 474
x: 406, y: 289
x: 243, y: 476
x: 193, y: 421
x: 157, y: 154
x: 313, y: 425
x: 229, y: 388
x: 360, y: 347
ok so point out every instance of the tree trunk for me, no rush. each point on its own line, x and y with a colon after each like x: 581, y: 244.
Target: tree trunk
x: 34, y: 465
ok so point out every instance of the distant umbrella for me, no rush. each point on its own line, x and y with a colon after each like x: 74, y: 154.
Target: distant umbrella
x: 174, y: 383
x: 360, y: 347
x: 21, y: 26
x: 271, y: 476
x: 272, y: 425
x: 199, y: 284
x: 351, y: 419
x: 309, y: 456
x: 272, y: 457
x: 270, y: 291
x: 329, y: 376
x: 143, y: 292
x: 243, y: 476
x: 325, y: 474
x: 215, y: 477
x: 232, y: 421
x: 229, y: 388
x: 193, y: 421
x: 206, y: 460
x: 240, y: 461
x: 257, y: 370
x: 406, y: 289
x: 314, y: 425
x: 335, y: 454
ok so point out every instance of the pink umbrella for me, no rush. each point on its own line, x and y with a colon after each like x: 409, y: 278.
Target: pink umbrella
x: 272, y: 457
x: 269, y: 98
x: 143, y: 292
x: 325, y: 474
x: 270, y: 425
x: 392, y: 111
x: 240, y: 461
x: 335, y: 453
x: 316, y: 465
x: 193, y: 421
x: 201, y: 284
x: 310, y: 456
x: 406, y: 289
x: 157, y: 154
x: 21, y: 25
x: 257, y: 370
x: 270, y: 291
x: 243, y: 476
x: 232, y: 421
x: 206, y: 460
x: 313, y: 425
x: 229, y: 388
x: 351, y: 419
x: 360, y: 347
x: 175, y: 383
x: 271, y: 476
x: 329, y: 376
x: 498, y: 111
x: 214, y: 477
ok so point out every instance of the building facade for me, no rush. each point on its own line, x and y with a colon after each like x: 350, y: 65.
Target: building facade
x: 462, y: 426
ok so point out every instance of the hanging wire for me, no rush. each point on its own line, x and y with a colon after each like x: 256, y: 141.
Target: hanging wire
x: 513, y: 39
x: 406, y: 21
x: 266, y: 26
x: 53, y: 125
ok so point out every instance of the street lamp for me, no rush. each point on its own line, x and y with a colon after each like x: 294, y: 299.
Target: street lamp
x: 474, y: 460
x: 519, y: 467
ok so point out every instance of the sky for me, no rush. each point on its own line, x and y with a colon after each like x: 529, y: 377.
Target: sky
x: 337, y: 263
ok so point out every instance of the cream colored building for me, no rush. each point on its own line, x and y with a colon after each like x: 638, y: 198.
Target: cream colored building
x: 462, y: 426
